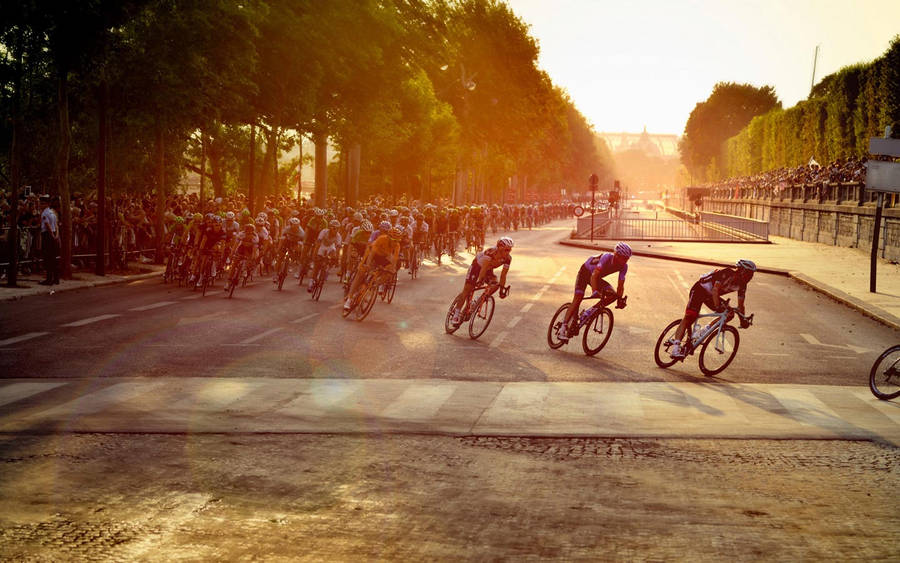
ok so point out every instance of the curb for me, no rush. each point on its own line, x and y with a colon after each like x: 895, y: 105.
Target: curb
x: 858, y: 305
x: 83, y: 285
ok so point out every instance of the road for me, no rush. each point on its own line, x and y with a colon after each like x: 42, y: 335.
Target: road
x: 116, y: 448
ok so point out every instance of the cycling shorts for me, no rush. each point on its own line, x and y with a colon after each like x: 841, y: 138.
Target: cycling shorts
x: 584, y: 279
x: 475, y: 270
x: 699, y: 297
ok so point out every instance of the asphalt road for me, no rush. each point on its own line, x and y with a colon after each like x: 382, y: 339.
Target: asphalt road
x: 148, y: 329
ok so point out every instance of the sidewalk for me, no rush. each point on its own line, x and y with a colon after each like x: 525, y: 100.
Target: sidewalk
x: 838, y: 272
x: 29, y: 285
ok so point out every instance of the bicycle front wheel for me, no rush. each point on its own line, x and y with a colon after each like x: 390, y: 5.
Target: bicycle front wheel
x: 481, y: 317
x: 719, y: 350
x: 597, y: 332
x: 366, y: 302
x: 391, y: 288
x: 665, y: 341
x: 557, y: 320
x: 884, y: 378
x: 320, y: 283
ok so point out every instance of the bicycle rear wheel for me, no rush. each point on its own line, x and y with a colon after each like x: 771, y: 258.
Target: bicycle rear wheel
x: 884, y: 377
x: 449, y: 325
x: 481, y: 316
x: 320, y: 283
x: 664, y: 343
x: 391, y: 288
x: 597, y: 332
x: 557, y: 320
x: 721, y: 351
x: 366, y: 302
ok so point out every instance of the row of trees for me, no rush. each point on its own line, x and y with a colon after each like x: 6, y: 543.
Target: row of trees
x: 425, y: 97
x: 843, y: 112
x: 741, y: 130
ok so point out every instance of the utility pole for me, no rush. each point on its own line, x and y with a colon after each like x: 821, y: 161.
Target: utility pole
x: 813, y: 82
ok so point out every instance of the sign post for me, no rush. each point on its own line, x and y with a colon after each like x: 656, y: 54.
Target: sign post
x: 595, y: 182
x: 881, y: 177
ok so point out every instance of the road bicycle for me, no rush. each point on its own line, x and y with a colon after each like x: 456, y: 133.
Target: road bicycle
x: 239, y: 274
x: 718, y: 341
x: 598, y: 318
x: 386, y: 289
x: 323, y: 263
x: 477, y: 311
x: 884, y: 377
x: 364, y: 298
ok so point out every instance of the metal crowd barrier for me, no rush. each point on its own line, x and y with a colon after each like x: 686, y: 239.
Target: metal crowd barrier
x: 706, y: 228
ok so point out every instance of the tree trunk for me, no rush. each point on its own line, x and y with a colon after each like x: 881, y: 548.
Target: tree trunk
x: 15, y: 168
x: 160, y: 190
x: 100, y: 233
x: 251, y: 191
x: 355, y: 159
x: 321, y: 141
x: 300, y: 170
x: 265, y: 176
x: 202, y: 164
x: 62, y: 176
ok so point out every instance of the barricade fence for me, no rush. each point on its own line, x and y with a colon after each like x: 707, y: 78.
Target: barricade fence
x: 706, y: 227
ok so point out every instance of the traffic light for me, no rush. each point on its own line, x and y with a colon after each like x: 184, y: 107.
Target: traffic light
x: 595, y: 181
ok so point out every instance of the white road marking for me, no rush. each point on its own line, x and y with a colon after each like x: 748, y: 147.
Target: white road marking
x: 515, y: 320
x: 681, y: 279
x: 253, y: 339
x: 91, y: 320
x: 153, y: 306
x: 815, y: 342
x: 137, y: 282
x: 768, y: 354
x: 21, y: 338
x: 527, y: 307
x: 307, y: 317
x: 675, y: 285
x: 499, y: 340
x: 198, y: 296
x: 638, y: 330
x: 18, y: 391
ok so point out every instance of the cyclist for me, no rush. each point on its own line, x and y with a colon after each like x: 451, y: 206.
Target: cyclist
x: 326, y: 247
x: 290, y: 242
x: 708, y: 291
x: 246, y: 247
x: 384, y: 252
x: 592, y: 272
x: 482, y: 270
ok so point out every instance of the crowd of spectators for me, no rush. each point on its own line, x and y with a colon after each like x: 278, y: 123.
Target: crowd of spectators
x: 849, y: 170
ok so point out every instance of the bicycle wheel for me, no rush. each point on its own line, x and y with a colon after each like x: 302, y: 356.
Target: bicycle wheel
x: 481, y: 316
x: 664, y: 343
x: 884, y: 378
x: 235, y: 277
x: 366, y: 302
x: 449, y: 325
x: 555, y: 323
x: 391, y: 288
x: 597, y: 332
x: 282, y: 273
x: 721, y: 350
x: 320, y: 283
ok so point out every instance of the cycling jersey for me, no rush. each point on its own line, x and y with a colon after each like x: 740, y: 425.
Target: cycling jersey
x: 359, y: 236
x: 701, y: 292
x: 328, y: 241
x: 246, y: 244
x: 606, y: 265
x: 490, y: 259
x: 293, y: 235
x: 383, y: 250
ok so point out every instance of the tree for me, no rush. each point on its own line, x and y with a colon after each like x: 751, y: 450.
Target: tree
x: 728, y: 109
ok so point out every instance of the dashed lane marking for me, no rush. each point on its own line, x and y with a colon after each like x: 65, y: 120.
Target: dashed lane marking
x: 681, y: 279
x: 527, y: 307
x: 515, y: 320
x: 153, y: 306
x: 769, y: 354
x: 253, y: 339
x: 21, y: 338
x: 18, y: 391
x: 198, y: 296
x: 499, y: 340
x: 91, y: 320
x: 306, y: 318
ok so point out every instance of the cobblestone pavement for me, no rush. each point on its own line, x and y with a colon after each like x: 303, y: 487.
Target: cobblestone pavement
x: 327, y: 497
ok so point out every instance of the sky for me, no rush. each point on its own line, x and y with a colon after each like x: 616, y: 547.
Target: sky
x: 630, y: 64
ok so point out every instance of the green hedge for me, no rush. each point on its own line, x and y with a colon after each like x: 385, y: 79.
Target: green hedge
x: 844, y: 110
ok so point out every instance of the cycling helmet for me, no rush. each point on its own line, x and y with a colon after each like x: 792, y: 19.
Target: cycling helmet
x: 746, y: 264
x: 319, y: 211
x: 245, y: 212
x: 384, y: 226
x: 229, y: 215
x: 179, y: 219
x: 366, y: 226
x: 249, y: 227
x: 197, y: 217
x: 294, y: 221
x: 622, y: 249
x: 396, y: 233
x: 394, y: 212
x: 217, y: 220
x: 334, y: 224
x: 357, y: 216
x: 260, y: 221
x: 262, y: 215
x: 404, y: 220
x: 505, y: 242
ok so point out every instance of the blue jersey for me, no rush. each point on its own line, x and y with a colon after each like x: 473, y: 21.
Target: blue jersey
x: 607, y: 265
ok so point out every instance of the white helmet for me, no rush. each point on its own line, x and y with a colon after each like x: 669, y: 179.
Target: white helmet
x: 622, y: 249
x: 746, y: 264
x: 505, y: 242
